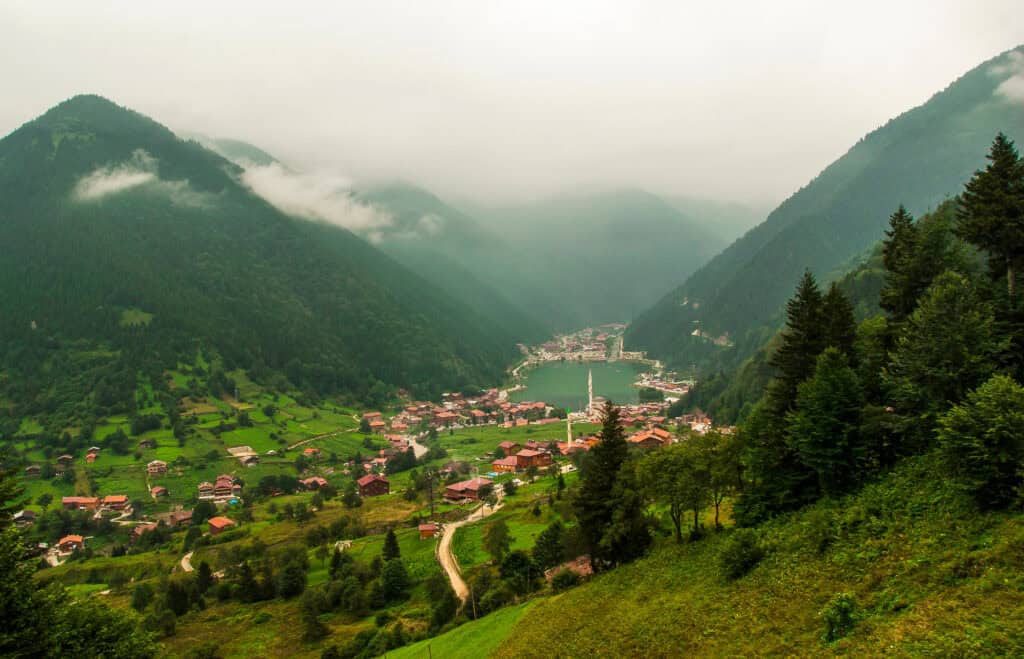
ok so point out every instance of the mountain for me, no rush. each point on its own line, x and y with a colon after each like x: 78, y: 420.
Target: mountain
x: 918, y: 159
x: 595, y: 258
x: 127, y: 249
x: 448, y: 248
x: 727, y: 220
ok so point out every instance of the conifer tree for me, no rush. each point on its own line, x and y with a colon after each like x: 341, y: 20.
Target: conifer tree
x: 603, y: 504
x: 838, y: 324
x: 802, y: 341
x: 391, y: 549
x: 948, y: 347
x: 824, y: 427
x: 992, y: 210
x: 898, y: 296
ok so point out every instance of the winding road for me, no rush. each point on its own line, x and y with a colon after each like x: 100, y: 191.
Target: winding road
x: 444, y: 548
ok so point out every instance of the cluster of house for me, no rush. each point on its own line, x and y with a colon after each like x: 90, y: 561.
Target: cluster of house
x: 517, y: 458
x: 643, y: 413
x: 62, y: 463
x: 111, y: 502
x: 670, y: 387
x: 588, y: 344
x: 458, y: 410
x: 224, y: 488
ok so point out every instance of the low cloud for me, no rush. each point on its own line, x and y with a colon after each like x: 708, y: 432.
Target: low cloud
x: 323, y: 197
x: 140, y: 170
x: 1012, y: 88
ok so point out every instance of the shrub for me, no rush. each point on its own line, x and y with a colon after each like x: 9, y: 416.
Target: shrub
x: 740, y: 554
x: 564, y: 580
x: 839, y: 616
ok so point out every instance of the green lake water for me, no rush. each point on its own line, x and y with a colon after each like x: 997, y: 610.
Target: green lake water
x: 564, y: 384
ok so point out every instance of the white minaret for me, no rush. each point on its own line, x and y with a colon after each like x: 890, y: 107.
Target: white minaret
x: 568, y: 432
x: 590, y: 392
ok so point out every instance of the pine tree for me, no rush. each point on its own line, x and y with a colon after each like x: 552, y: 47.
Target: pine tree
x: 839, y: 325
x: 604, y: 505
x: 898, y: 296
x: 597, y: 479
x: 824, y: 427
x: 802, y: 341
x: 992, y: 210
x: 948, y: 347
x: 391, y: 549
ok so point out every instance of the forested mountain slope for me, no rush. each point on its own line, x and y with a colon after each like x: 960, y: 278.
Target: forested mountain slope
x: 453, y: 251
x: 595, y: 258
x: 918, y: 159
x: 123, y: 240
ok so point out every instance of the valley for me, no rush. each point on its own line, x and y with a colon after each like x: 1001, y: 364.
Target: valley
x: 413, y: 341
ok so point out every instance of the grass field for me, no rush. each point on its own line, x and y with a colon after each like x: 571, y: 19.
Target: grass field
x: 930, y: 576
x: 472, y: 640
x: 564, y: 384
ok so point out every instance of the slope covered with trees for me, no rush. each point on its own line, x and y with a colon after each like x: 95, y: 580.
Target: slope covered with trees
x: 918, y: 159
x: 127, y: 249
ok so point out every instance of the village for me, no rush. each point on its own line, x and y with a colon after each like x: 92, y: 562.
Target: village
x: 258, y: 468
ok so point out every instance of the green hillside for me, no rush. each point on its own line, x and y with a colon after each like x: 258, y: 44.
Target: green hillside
x: 928, y: 573
x: 109, y: 219
x: 918, y: 159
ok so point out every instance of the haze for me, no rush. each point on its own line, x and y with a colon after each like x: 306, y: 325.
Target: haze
x: 498, y: 102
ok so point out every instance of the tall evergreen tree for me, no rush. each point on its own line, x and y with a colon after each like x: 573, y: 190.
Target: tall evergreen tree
x: 824, y: 427
x: 948, y: 347
x: 599, y: 499
x: 839, y: 327
x: 802, y: 341
x: 992, y: 211
x: 898, y: 296
x: 391, y: 549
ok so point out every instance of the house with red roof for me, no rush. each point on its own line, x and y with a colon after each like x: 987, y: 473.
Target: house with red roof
x: 373, y: 485
x: 115, y: 501
x: 466, y: 489
x: 220, y: 524
x: 428, y: 531
x: 70, y: 543
x: 80, y: 503
x: 507, y: 464
x: 529, y: 458
x: 314, y: 483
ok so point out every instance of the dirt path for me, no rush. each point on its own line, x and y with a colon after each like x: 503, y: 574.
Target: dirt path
x: 446, y: 557
x: 186, y: 562
x: 313, y: 439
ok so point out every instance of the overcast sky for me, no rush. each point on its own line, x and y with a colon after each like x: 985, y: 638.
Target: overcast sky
x: 500, y: 101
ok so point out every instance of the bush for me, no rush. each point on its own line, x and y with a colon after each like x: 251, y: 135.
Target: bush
x: 564, y: 580
x: 839, y: 616
x: 740, y: 554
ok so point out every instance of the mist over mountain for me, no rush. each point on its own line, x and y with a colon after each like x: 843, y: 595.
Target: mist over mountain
x: 917, y: 159
x: 106, y: 216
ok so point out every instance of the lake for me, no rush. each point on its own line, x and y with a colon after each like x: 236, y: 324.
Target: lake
x: 564, y: 384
